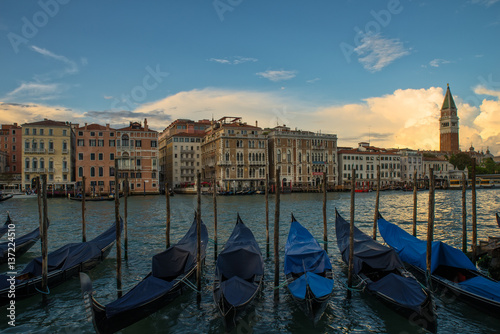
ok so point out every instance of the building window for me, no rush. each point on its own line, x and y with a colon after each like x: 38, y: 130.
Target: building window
x: 100, y: 143
x: 111, y: 142
x: 92, y: 142
x: 289, y: 156
x: 125, y: 140
x: 81, y: 142
x: 101, y: 171
x: 65, y: 145
x: 27, y: 131
x: 92, y: 171
x: 154, y: 143
x: 92, y: 156
x: 34, y: 132
x: 27, y: 163
x: 27, y: 144
x: 80, y: 172
x: 65, y: 132
x: 111, y: 156
x: 138, y: 143
x: 80, y: 156
x: 278, y: 158
x: 101, y: 156
x: 138, y: 162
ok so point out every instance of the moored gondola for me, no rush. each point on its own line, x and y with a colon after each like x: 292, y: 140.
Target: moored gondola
x: 308, y: 271
x: 5, y: 197
x: 18, y: 246
x: 63, y: 264
x: 239, y: 273
x: 5, y: 226
x: 381, y: 272
x: 451, y: 269
x: 172, y: 272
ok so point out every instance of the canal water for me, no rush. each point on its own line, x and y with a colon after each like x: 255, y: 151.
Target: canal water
x: 65, y: 312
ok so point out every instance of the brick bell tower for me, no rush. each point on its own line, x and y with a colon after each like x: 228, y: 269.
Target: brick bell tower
x: 448, y: 128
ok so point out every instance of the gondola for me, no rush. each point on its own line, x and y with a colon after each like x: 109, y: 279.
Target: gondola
x: 172, y: 271
x: 308, y: 271
x: 239, y: 273
x: 498, y: 219
x: 18, y: 246
x: 63, y: 264
x: 382, y: 273
x: 5, y: 226
x: 451, y: 269
x: 5, y: 197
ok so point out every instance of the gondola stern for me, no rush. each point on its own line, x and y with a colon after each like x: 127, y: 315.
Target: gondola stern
x: 89, y: 301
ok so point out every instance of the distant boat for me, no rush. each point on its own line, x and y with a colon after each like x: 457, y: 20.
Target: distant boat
x: 171, y: 273
x: 381, y: 272
x: 451, y: 269
x: 20, y: 245
x: 95, y: 199
x: 308, y: 271
x: 5, y: 197
x: 498, y: 219
x: 239, y: 273
x: 63, y: 264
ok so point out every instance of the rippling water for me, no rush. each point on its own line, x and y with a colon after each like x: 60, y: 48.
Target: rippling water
x: 65, y: 312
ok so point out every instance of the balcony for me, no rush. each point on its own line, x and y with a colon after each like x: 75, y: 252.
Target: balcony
x: 51, y: 170
x: 224, y: 163
x: 257, y: 163
x: 34, y: 150
x: 187, y: 151
x: 40, y: 170
x: 187, y: 167
x: 187, y: 159
x: 52, y: 151
x: 65, y: 170
x: 65, y: 151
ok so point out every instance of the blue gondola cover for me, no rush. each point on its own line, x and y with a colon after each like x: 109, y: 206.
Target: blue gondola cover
x: 366, y: 250
x: 303, y: 253
x: 33, y: 235
x: 413, y: 250
x: 319, y: 285
x: 404, y: 290
x: 166, y: 267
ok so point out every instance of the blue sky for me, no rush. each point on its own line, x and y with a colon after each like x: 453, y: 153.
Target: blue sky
x: 360, y: 69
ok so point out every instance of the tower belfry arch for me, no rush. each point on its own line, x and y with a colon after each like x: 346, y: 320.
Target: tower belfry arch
x: 448, y: 124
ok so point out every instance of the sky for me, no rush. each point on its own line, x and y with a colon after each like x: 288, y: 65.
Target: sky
x: 365, y: 70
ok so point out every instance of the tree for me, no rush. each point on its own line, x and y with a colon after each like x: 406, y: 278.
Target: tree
x: 461, y: 160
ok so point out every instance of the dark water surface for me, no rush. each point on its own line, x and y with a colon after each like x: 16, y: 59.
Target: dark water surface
x: 65, y: 312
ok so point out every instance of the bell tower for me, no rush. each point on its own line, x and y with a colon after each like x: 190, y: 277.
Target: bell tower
x: 448, y: 124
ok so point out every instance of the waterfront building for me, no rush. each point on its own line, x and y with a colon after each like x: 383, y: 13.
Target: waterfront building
x: 365, y: 159
x: 3, y: 161
x: 302, y: 157
x: 49, y: 148
x: 11, y: 146
x: 443, y: 170
x: 234, y: 153
x: 448, y: 140
x: 180, y: 151
x: 95, y: 158
x: 411, y: 161
x: 137, y: 154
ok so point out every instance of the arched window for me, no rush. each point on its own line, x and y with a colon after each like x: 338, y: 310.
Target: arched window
x: 34, y: 145
x: 65, y: 165
x: 65, y: 145
x: 51, y: 145
x: 307, y: 157
x: 42, y: 145
x: 27, y: 163
x: 51, y: 163
x: 227, y: 156
x: 289, y: 156
x: 27, y: 144
x: 42, y: 163
x: 80, y: 172
x: 35, y: 163
x: 124, y: 140
x: 227, y: 173
x: 92, y: 171
x: 300, y: 156
x: 101, y: 171
x: 278, y: 158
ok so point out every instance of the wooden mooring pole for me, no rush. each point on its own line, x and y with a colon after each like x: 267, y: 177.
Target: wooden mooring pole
x: 325, y: 230
x: 415, y: 203
x: 375, y: 215
x: 118, y: 235
x: 430, y: 226
x: 167, y: 199
x: 214, y: 194
x: 45, y: 246
x: 125, y: 215
x: 198, y: 234
x: 266, y: 194
x: 474, y: 217
x: 84, y: 232
x: 464, y: 213
x: 351, y: 234
x: 277, y: 236
x: 39, y: 195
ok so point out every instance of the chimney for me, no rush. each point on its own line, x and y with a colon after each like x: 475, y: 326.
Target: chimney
x: 85, y: 126
x: 107, y: 126
x: 257, y: 124
x: 146, y: 124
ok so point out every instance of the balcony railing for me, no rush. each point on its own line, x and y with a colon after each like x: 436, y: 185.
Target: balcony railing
x: 187, y: 167
x: 52, y: 151
x: 34, y: 150
x: 40, y: 170
x: 187, y: 151
x: 257, y: 163
x: 65, y: 150
x: 224, y: 163
x: 65, y: 170
x: 51, y: 170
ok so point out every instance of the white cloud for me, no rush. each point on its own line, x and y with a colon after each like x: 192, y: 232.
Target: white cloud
x: 312, y: 80
x: 71, y: 68
x: 403, y: 118
x: 486, y: 3
x: 35, y: 90
x: 437, y: 62
x: 277, y: 75
x: 233, y: 60
x: 376, y: 52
